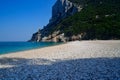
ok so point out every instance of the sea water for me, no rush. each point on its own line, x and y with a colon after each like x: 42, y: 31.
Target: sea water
x: 9, y: 47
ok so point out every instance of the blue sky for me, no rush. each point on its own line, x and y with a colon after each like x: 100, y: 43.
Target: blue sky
x: 19, y: 19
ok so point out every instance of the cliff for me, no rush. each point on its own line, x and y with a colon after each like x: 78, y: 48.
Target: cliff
x: 82, y: 20
x: 63, y: 8
x: 60, y: 10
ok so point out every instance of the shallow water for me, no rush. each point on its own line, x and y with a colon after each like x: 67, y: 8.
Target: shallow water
x: 9, y: 47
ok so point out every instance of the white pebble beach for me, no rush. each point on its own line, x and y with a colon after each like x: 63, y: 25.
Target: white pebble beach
x: 77, y: 60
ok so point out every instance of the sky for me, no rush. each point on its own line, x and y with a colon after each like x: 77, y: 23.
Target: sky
x: 19, y: 19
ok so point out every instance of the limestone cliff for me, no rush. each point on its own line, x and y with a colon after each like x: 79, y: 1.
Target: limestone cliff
x: 82, y: 20
x: 61, y: 9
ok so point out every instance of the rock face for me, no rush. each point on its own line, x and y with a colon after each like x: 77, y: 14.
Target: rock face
x: 63, y: 8
x: 99, y: 19
x: 60, y: 10
x: 36, y: 36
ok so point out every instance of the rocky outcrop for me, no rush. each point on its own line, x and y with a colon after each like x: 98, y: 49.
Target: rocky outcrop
x: 60, y: 10
x: 63, y: 8
x: 36, y: 37
x: 60, y: 37
x: 99, y: 19
x: 55, y: 37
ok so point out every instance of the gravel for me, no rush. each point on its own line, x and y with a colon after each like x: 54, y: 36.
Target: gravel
x: 78, y: 60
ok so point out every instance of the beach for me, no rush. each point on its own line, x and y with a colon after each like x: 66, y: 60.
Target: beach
x: 77, y: 60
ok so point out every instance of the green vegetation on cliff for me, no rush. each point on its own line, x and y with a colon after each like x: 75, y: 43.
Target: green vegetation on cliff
x: 99, y: 19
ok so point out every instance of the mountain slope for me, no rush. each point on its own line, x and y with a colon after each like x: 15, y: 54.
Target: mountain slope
x: 97, y: 19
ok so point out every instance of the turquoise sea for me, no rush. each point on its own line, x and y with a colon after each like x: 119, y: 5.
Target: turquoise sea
x: 9, y: 47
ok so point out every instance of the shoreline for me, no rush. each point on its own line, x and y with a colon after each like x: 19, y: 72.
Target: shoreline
x: 59, y: 45
x: 30, y: 49
x: 73, y: 60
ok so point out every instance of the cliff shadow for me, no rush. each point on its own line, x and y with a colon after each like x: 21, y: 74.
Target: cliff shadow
x: 43, y: 69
